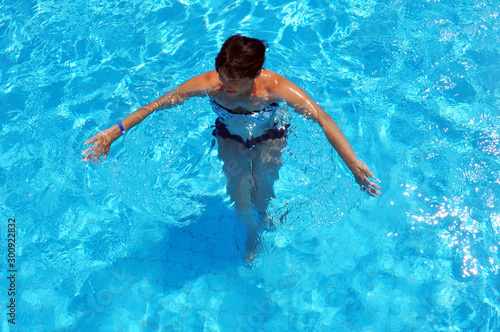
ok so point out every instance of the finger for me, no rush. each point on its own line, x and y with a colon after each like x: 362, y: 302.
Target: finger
x: 369, y: 183
x: 92, y: 156
x: 87, y: 154
x: 90, y: 140
x: 372, y: 192
x: 373, y: 184
x: 105, y: 155
x: 89, y: 157
x: 87, y: 151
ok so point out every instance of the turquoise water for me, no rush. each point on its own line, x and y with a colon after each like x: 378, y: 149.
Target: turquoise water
x: 148, y: 239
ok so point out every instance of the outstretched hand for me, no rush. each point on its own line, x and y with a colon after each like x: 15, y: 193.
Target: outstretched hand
x: 361, y: 173
x: 101, y: 144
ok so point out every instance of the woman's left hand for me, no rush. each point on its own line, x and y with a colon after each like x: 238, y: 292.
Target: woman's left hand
x: 361, y: 173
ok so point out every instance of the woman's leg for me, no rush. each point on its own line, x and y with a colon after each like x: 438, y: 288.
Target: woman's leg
x: 236, y: 158
x: 266, y: 160
x: 240, y: 186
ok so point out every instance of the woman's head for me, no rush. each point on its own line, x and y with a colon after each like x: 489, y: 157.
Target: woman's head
x: 241, y: 57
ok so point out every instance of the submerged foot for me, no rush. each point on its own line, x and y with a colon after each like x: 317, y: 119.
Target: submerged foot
x: 250, y: 257
x: 252, y: 248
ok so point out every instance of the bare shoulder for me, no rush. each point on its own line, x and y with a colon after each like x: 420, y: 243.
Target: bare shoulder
x: 280, y: 87
x: 277, y: 84
x: 209, y: 79
x: 272, y: 79
x: 201, y: 84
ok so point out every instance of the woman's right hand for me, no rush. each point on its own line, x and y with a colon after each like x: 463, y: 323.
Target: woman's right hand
x: 101, y: 144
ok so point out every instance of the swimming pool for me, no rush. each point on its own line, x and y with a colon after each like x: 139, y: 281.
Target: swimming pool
x: 148, y: 240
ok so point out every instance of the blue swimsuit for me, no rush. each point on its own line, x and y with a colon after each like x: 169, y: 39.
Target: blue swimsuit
x: 255, y: 117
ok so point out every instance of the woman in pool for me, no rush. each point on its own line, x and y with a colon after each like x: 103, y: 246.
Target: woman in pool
x: 250, y: 137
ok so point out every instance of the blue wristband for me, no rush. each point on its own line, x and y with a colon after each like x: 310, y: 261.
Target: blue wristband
x: 121, y: 127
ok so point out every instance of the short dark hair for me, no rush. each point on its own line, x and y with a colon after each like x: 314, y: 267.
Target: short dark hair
x: 241, y: 57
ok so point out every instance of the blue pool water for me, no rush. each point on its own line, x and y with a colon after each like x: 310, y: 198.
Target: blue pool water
x: 148, y: 239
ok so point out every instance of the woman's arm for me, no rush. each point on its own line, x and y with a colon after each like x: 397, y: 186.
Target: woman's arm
x: 196, y: 86
x: 283, y: 89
